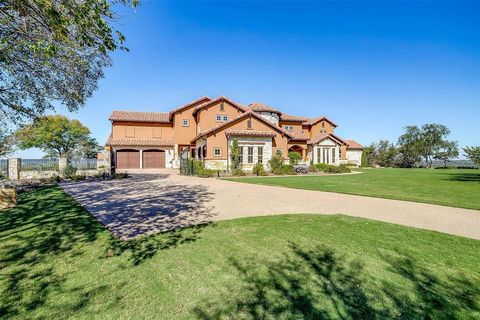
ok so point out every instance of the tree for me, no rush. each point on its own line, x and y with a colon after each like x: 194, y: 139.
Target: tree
x: 473, y: 153
x: 294, y: 157
x: 56, y: 135
x: 385, y: 153
x: 368, y: 156
x: 431, y: 140
x: 53, y: 51
x: 6, y: 142
x: 447, y: 151
x: 409, y: 147
x: 235, y: 154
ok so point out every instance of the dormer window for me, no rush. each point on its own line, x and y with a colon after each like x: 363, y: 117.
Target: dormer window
x: 288, y: 128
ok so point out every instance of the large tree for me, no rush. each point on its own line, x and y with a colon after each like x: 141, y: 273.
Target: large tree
x: 448, y: 150
x: 57, y: 136
x: 6, y: 142
x: 473, y: 153
x: 51, y: 51
x: 424, y: 142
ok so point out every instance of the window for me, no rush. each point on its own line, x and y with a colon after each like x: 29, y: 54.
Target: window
x: 218, y: 117
x: 185, y: 123
x: 217, y: 152
x: 225, y: 118
x: 249, y: 124
x: 319, y: 158
x: 288, y: 128
x: 333, y: 155
x: 240, y: 158
x: 250, y: 155
x: 260, y: 155
x: 222, y: 107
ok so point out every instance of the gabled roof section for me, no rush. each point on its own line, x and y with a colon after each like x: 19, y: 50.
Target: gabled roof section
x: 324, y: 135
x: 289, y: 117
x: 218, y: 99
x: 248, y: 113
x: 260, y: 107
x: 317, y: 120
x: 118, y: 115
x: 352, y: 144
x: 199, y: 100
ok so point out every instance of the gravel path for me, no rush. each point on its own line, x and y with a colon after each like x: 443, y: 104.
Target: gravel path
x: 149, y: 203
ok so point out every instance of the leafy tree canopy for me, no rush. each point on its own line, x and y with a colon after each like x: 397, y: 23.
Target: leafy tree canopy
x: 448, y: 150
x: 57, y: 136
x: 6, y: 142
x: 53, y: 50
x: 473, y: 153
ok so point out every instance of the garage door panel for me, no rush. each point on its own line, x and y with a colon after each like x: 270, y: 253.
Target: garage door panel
x: 128, y: 159
x: 153, y: 159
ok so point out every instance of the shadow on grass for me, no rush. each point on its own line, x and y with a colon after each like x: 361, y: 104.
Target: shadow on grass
x: 466, y: 176
x: 37, y: 237
x: 145, y: 247
x: 317, y: 284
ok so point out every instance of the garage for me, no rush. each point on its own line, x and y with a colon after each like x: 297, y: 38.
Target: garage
x: 128, y: 159
x: 153, y: 159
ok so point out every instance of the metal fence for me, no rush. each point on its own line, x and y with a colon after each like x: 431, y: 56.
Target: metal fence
x: 3, y: 167
x: 84, y: 164
x: 39, y: 164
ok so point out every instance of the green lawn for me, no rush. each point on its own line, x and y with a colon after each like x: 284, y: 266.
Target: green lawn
x: 56, y: 261
x: 448, y: 187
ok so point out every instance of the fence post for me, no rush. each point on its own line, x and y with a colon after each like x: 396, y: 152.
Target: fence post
x: 14, y: 167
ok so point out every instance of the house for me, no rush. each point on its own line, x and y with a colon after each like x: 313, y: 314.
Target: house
x: 206, y: 127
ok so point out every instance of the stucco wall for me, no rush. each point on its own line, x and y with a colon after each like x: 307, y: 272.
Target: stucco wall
x: 206, y: 117
x: 354, y: 156
x: 183, y: 135
x: 319, y: 127
x: 139, y: 130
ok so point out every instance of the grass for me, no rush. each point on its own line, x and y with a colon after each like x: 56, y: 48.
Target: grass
x: 449, y: 187
x: 57, y: 262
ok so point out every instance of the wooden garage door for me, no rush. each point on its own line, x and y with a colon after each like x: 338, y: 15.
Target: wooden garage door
x: 128, y: 159
x: 153, y: 159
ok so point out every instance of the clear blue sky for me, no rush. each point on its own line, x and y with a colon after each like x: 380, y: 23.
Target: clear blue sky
x: 372, y: 67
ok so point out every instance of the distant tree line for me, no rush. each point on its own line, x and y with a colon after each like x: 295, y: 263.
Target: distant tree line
x: 417, y: 146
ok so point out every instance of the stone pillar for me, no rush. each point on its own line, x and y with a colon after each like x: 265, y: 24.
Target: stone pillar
x: 62, y: 163
x: 104, y: 161
x: 8, y: 197
x: 14, y: 167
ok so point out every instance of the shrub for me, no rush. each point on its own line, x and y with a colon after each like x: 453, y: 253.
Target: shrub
x: 295, y: 157
x: 78, y: 177
x: 288, y: 169
x: 121, y: 175
x: 312, y: 168
x: 206, y: 173
x: 303, y: 169
x: 259, y: 170
x: 322, y: 166
x: 199, y: 170
x: 238, y: 172
x: 276, y: 164
x: 343, y: 168
x: 69, y: 171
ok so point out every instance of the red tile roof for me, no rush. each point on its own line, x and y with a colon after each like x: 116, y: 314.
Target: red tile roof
x: 352, y: 144
x: 323, y: 136
x: 221, y: 98
x: 260, y: 107
x: 289, y: 117
x: 299, y: 136
x: 316, y: 120
x: 250, y: 133
x: 202, y: 99
x: 243, y: 115
x: 139, y: 142
x: 139, y: 116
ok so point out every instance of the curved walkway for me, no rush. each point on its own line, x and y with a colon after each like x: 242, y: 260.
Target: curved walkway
x: 149, y: 203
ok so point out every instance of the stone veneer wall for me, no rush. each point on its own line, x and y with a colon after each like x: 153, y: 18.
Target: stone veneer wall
x: 255, y: 141
x: 354, y: 156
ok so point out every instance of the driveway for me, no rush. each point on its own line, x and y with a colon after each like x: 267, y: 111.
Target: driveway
x: 150, y: 203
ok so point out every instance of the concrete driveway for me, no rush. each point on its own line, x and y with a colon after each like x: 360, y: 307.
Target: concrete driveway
x: 150, y: 203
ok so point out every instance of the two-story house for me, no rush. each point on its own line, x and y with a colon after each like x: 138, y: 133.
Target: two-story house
x: 205, y: 128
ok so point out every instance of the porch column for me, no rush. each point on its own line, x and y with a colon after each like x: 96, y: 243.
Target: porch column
x: 141, y: 159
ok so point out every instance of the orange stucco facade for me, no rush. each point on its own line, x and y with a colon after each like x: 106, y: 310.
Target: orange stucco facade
x: 207, y: 126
